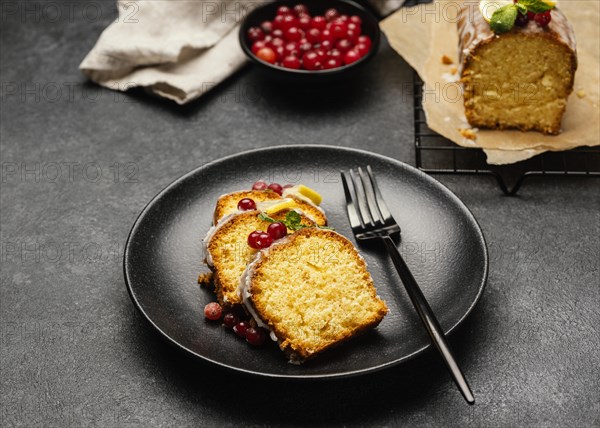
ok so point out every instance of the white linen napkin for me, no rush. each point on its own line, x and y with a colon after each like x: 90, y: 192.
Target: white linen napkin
x: 177, y: 49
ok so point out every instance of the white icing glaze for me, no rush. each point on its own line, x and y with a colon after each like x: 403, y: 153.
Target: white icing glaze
x: 243, y: 288
x: 450, y: 78
x: 211, y: 233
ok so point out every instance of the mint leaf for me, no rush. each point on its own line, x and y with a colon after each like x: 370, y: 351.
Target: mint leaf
x: 292, y: 220
x: 504, y: 19
x: 326, y: 227
x: 536, y: 6
x: 522, y: 9
x: 265, y: 217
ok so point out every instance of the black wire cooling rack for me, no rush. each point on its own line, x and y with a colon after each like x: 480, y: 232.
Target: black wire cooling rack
x: 438, y: 155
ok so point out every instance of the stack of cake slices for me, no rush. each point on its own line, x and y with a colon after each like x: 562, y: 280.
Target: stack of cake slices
x: 310, y: 289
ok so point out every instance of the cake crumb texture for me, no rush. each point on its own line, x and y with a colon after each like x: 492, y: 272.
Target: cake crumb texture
x: 446, y: 60
x: 314, y: 292
x: 205, y: 278
x: 230, y: 252
x: 520, y: 79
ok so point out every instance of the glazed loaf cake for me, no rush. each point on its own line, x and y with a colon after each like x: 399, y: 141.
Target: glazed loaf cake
x: 520, y: 79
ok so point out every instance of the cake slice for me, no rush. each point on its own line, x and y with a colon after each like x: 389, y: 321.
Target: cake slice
x: 267, y: 200
x: 312, y: 290
x: 227, y: 204
x: 520, y: 78
x: 228, y: 252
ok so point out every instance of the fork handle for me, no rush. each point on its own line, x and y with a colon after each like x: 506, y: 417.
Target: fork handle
x: 428, y: 318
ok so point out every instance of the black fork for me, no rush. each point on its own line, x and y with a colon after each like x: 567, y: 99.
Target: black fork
x: 371, y: 219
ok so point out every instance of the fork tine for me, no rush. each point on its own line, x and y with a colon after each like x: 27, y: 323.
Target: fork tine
x: 371, y: 202
x: 381, y: 205
x: 355, y: 220
x: 361, y: 199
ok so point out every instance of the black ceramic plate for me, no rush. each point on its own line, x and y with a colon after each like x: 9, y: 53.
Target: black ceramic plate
x: 441, y: 242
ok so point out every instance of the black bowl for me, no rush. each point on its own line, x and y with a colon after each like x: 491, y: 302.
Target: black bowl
x: 370, y: 27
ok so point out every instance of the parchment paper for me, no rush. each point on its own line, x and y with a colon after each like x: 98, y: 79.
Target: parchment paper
x: 424, y: 33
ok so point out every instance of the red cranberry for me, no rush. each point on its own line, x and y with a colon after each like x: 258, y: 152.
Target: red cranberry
x: 256, y: 46
x: 267, y: 54
x: 338, y: 29
x: 356, y: 20
x: 543, y: 19
x: 255, y: 34
x: 259, y: 240
x: 366, y: 40
x: 304, y: 22
x: 213, y: 311
x: 284, y: 10
x: 278, y: 22
x: 305, y: 46
x: 331, y: 14
x: 326, y: 45
x: 277, y: 41
x: 300, y: 9
x: 291, y: 49
x: 264, y: 240
x: 277, y: 33
x: 351, y: 57
x: 289, y: 21
x: 230, y: 320
x: 332, y: 63
x: 530, y: 15
x: 293, y: 34
x: 277, y: 230
x: 241, y: 328
x: 260, y: 185
x: 361, y: 48
x: 292, y: 62
x: 255, y: 336
x: 344, y: 18
x: 344, y: 45
x: 312, y: 61
x: 335, y: 54
x: 353, y: 26
x: 267, y: 27
x: 280, y: 51
x: 276, y: 187
x: 252, y: 238
x: 327, y: 35
x: 313, y: 36
x: 352, y: 35
x: 322, y: 52
x: 319, y: 23
x: 246, y: 204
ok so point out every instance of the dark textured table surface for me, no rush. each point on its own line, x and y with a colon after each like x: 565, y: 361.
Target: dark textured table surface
x: 80, y: 162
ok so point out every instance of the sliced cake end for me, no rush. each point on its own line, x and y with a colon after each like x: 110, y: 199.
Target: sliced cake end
x: 313, y: 291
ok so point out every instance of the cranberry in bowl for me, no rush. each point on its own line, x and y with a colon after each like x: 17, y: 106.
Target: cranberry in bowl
x: 308, y: 41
